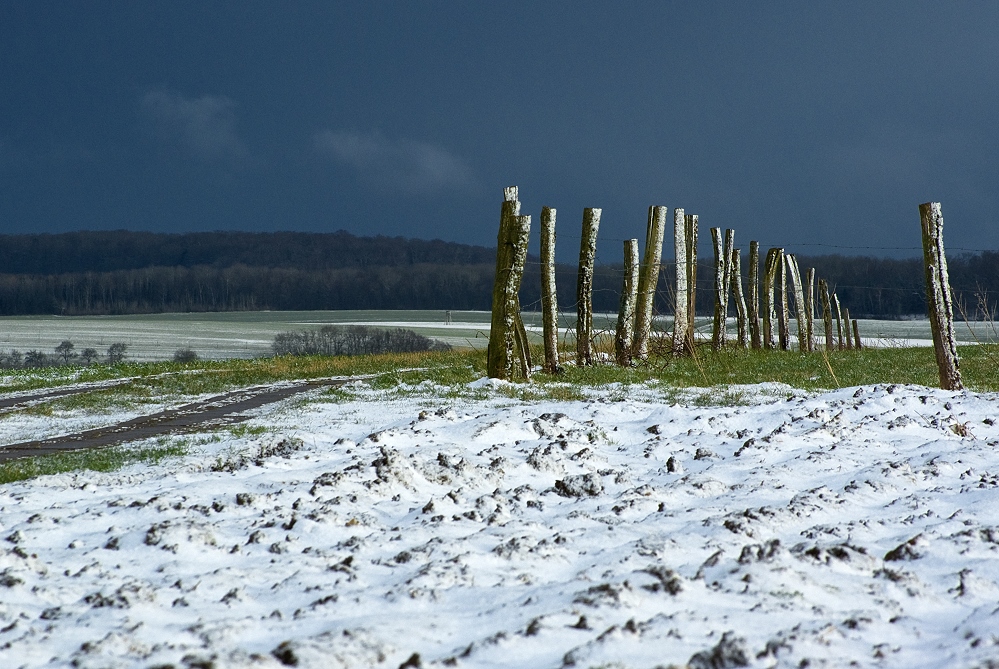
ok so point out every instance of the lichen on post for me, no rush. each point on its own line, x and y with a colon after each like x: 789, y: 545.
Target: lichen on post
x: 549, y: 297
x: 502, y: 334
x: 846, y: 329
x: 856, y: 335
x: 826, y: 313
x: 723, y: 277
x: 648, y: 279
x: 681, y: 308
x: 799, y: 303
x: 584, y: 287
x: 690, y: 223
x: 624, y: 336
x: 939, y: 300
x: 783, y: 314
x: 838, y: 315
x: 810, y: 307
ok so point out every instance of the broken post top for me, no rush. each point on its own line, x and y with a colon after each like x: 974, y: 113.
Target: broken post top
x: 510, y: 194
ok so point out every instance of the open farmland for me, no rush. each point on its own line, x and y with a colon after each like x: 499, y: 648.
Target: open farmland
x: 249, y: 334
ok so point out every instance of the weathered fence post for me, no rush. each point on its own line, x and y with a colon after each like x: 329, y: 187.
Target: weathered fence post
x: 826, y: 313
x: 522, y: 232
x: 740, y: 299
x: 584, y: 287
x: 767, y: 300
x: 754, y: 294
x: 504, y: 331
x: 939, y: 300
x: 856, y: 335
x: 690, y: 225
x: 648, y: 280
x: 549, y: 297
x: 681, y: 310
x: 810, y: 307
x: 846, y: 329
x: 783, y: 314
x: 723, y: 278
x: 626, y: 316
x: 799, y: 303
x: 838, y: 313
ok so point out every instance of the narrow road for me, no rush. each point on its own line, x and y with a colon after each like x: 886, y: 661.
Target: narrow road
x: 226, y: 409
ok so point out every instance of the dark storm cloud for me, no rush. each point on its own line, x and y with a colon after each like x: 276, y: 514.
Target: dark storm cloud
x: 406, y: 165
x: 205, y: 127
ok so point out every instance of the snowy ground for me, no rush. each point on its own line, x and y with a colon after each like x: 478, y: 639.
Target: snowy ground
x: 754, y: 525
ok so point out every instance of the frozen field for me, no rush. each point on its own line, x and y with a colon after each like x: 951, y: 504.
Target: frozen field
x: 249, y: 334
x: 755, y: 526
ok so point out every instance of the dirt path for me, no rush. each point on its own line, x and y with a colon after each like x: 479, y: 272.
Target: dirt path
x: 226, y: 409
x: 18, y: 401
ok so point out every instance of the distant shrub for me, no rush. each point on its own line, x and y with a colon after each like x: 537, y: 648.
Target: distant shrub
x: 353, y: 340
x: 34, y: 358
x: 88, y: 356
x: 185, y: 355
x: 116, y: 352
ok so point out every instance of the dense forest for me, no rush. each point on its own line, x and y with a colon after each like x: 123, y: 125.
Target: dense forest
x: 122, y: 272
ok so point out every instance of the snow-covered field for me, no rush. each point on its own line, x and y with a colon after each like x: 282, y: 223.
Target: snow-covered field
x: 755, y: 526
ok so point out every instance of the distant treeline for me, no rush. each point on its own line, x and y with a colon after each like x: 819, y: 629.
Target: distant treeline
x: 233, y: 271
x: 353, y: 340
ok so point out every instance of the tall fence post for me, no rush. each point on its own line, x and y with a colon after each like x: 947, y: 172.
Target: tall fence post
x: 767, y: 298
x: 846, y: 329
x: 690, y: 225
x: 648, y: 279
x: 549, y: 297
x: 784, y: 313
x: 624, y: 337
x: 810, y: 307
x: 740, y: 299
x: 723, y: 277
x: 826, y: 313
x: 681, y: 310
x: 856, y: 335
x: 584, y: 287
x: 799, y: 303
x: 754, y: 294
x: 503, y: 334
x: 939, y: 300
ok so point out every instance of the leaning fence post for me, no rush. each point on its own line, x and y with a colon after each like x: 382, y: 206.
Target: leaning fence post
x: 584, y: 287
x: 502, y: 337
x: 648, y: 279
x: 754, y: 294
x: 799, y: 303
x: 838, y: 313
x: 856, y: 335
x: 681, y: 310
x: 690, y: 225
x: 767, y: 298
x: 626, y: 316
x: 740, y: 299
x: 549, y: 297
x: 810, y: 307
x: 723, y: 277
x: 826, y: 313
x: 939, y: 300
x: 522, y: 236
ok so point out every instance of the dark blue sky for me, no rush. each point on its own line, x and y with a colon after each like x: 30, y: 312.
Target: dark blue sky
x: 794, y: 123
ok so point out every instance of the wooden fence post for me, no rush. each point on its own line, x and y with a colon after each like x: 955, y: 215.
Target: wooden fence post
x: 584, y: 287
x: 767, y: 298
x: 549, y: 297
x: 522, y: 232
x: 826, y: 313
x: 856, y: 335
x: 501, y: 336
x: 648, y: 280
x: 939, y: 300
x: 838, y: 313
x: 810, y: 307
x: 624, y: 338
x: 740, y: 299
x: 783, y: 314
x: 846, y: 329
x: 723, y: 279
x: 690, y: 225
x: 754, y: 294
x: 799, y: 303
x: 681, y: 310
